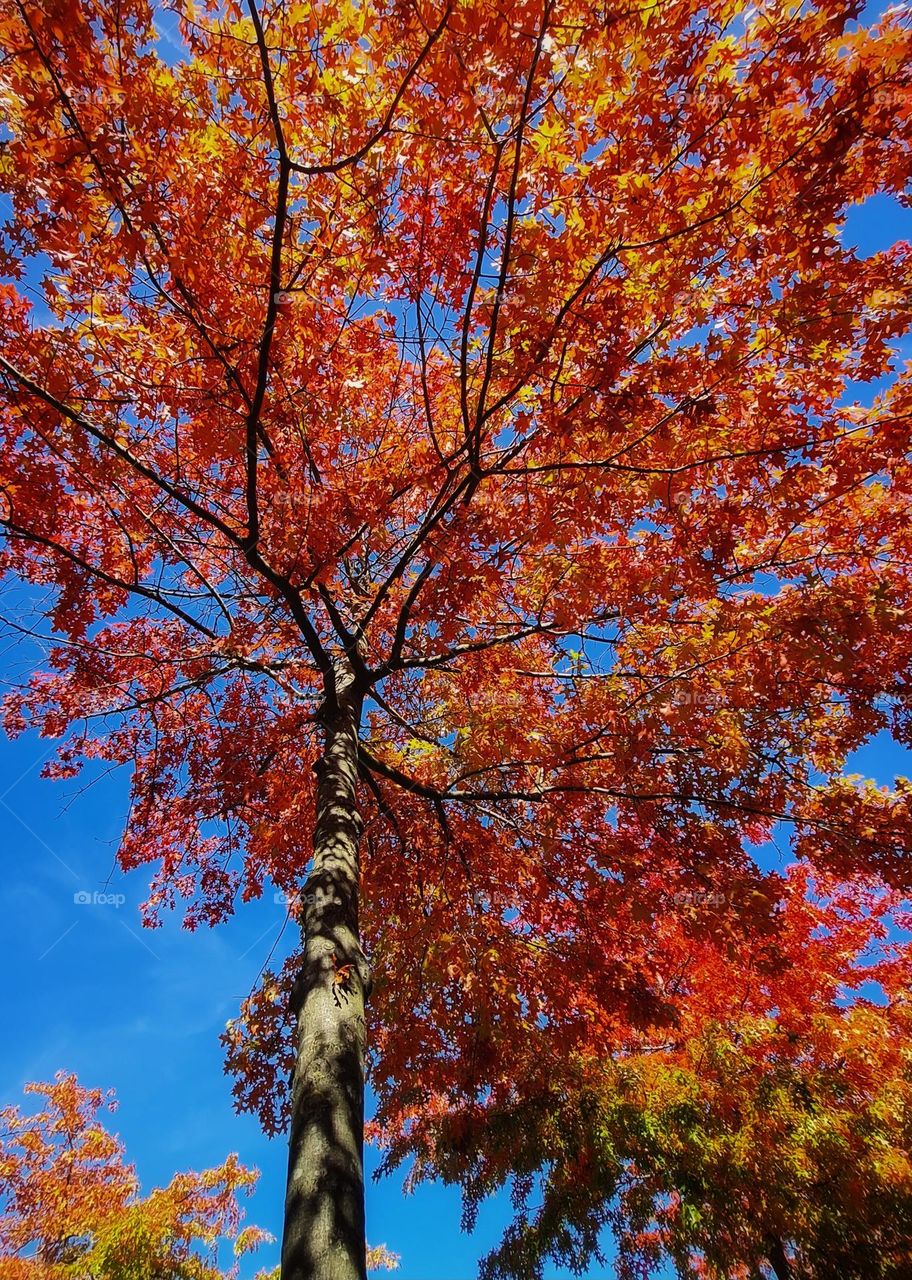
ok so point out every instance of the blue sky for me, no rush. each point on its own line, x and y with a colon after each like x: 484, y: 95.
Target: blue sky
x: 89, y: 991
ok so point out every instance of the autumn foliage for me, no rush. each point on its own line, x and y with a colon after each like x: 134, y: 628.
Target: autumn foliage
x: 70, y: 1205
x: 771, y: 1122
x: 511, y: 361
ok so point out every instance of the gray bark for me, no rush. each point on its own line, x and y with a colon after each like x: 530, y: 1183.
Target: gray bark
x: 324, y: 1203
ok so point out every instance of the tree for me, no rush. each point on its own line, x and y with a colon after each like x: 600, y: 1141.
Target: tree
x: 70, y: 1206
x: 454, y: 400
x: 768, y: 1136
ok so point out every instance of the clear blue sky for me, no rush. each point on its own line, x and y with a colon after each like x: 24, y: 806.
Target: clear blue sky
x: 87, y: 990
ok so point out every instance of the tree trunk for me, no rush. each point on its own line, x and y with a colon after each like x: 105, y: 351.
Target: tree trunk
x: 777, y: 1259
x: 324, y: 1203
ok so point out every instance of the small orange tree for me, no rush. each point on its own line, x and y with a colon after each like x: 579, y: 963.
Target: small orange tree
x: 434, y: 422
x: 70, y: 1205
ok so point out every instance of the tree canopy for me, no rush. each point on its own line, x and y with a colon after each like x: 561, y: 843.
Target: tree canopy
x: 479, y: 405
x: 769, y: 1129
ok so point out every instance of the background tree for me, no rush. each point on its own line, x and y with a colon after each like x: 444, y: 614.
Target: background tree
x: 457, y: 400
x: 70, y: 1206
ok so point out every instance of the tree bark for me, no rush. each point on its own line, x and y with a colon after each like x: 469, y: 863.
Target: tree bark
x: 324, y: 1203
x: 778, y: 1260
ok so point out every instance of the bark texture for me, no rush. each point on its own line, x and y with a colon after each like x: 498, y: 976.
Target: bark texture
x: 324, y: 1204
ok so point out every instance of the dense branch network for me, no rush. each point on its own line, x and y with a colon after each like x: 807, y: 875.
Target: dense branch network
x: 510, y: 357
